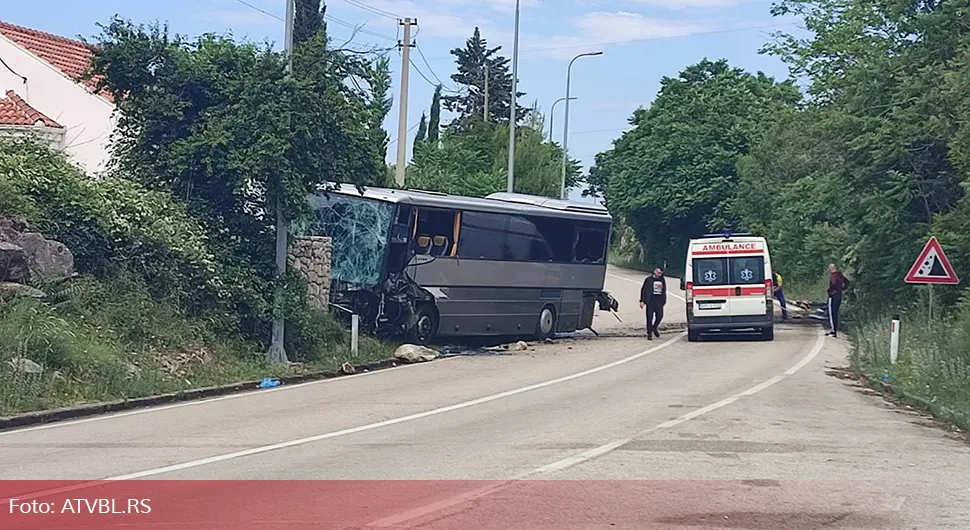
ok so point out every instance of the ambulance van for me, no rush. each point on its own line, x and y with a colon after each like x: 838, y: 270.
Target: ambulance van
x: 728, y: 287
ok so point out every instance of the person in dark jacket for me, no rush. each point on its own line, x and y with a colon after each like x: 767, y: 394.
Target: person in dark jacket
x: 653, y: 296
x: 837, y: 286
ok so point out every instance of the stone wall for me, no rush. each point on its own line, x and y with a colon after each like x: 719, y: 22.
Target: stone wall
x: 310, y: 257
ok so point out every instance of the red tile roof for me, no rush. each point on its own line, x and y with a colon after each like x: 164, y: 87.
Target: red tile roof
x: 72, y: 57
x: 15, y: 111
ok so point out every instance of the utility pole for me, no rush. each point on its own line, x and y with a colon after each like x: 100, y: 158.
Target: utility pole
x: 402, y: 123
x: 510, y: 185
x: 277, y: 351
x: 485, y: 111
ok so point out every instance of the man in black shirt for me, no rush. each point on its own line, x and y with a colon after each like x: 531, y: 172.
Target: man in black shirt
x: 653, y: 296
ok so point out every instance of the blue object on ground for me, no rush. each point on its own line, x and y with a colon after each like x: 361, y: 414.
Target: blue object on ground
x: 269, y: 382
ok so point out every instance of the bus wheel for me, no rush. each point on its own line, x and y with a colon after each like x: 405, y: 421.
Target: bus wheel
x: 425, y: 326
x: 546, y: 327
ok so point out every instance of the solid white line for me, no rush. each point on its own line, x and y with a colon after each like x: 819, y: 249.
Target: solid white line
x: 362, y: 428
x: 192, y: 403
x: 640, y: 282
x: 596, y: 452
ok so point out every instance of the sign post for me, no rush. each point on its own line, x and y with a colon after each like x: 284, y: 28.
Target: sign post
x: 932, y: 267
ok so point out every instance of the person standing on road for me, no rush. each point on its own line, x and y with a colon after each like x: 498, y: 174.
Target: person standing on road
x: 837, y: 286
x: 653, y: 296
x: 777, y: 282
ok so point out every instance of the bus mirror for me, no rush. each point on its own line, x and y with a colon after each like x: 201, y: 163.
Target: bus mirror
x: 682, y: 286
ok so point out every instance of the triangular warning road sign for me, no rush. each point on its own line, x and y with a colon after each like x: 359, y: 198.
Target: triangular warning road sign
x: 932, y: 266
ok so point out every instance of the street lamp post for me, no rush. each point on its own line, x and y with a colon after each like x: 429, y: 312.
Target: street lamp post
x: 552, y: 116
x: 565, y: 130
x: 510, y: 185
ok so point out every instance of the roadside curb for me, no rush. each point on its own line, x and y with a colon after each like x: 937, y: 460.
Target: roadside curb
x: 954, y: 418
x: 94, y: 409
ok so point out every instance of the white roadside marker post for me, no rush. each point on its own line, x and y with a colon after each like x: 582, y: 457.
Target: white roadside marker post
x: 354, y: 333
x: 894, y: 340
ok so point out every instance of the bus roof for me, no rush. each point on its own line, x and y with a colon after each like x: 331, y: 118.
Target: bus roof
x: 496, y: 202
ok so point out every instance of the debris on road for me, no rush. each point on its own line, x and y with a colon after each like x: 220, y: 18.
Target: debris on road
x: 347, y: 369
x: 520, y: 346
x: 413, y: 353
x: 269, y: 382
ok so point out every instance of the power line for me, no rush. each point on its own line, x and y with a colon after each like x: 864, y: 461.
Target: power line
x: 261, y: 10
x: 344, y: 23
x: 421, y: 53
x: 371, y: 9
x: 430, y: 82
x: 413, y: 127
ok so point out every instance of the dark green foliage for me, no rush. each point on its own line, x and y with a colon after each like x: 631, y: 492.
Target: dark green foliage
x: 674, y: 175
x: 473, y: 60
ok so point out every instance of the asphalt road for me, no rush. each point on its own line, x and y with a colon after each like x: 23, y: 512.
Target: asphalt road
x: 616, y: 431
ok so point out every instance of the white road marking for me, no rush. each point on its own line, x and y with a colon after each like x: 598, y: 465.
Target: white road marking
x: 192, y: 403
x: 353, y: 430
x: 638, y: 282
x: 597, y: 452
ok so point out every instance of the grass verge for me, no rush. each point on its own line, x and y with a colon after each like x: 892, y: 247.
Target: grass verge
x: 932, y: 371
x: 109, y: 340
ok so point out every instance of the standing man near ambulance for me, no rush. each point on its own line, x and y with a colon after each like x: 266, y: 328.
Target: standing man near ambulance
x: 653, y: 296
x: 837, y: 286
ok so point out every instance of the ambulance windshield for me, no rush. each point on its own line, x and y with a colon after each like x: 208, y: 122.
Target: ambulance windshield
x: 746, y: 270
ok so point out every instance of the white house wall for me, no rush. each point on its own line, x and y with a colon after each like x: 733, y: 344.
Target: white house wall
x: 86, y: 117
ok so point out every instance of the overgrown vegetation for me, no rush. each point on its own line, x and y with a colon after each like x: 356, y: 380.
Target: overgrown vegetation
x: 174, y: 247
x: 858, y: 171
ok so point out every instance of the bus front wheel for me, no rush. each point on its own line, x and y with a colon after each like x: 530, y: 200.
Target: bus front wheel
x: 546, y: 327
x: 425, y: 325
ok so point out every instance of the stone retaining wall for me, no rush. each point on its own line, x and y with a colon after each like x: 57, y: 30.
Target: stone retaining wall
x: 310, y: 256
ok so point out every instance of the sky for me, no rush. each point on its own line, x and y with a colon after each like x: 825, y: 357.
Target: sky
x: 642, y: 41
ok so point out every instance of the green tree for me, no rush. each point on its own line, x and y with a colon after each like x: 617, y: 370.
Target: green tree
x: 473, y: 61
x: 220, y: 126
x: 308, y: 20
x: 422, y: 133
x: 886, y: 79
x: 473, y: 162
x: 434, y: 119
x: 674, y: 175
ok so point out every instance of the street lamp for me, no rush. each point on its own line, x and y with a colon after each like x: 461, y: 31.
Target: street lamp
x: 515, y: 78
x: 565, y: 130
x: 552, y: 115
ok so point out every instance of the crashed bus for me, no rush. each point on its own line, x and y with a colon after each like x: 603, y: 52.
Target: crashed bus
x: 428, y: 266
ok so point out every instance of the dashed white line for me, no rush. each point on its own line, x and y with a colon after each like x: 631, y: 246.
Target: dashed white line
x: 596, y: 452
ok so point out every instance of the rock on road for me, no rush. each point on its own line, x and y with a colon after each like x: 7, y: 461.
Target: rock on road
x: 616, y: 431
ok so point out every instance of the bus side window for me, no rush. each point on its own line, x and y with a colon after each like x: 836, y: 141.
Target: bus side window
x: 590, y: 245
x: 483, y: 236
x: 555, y: 235
x: 438, y: 227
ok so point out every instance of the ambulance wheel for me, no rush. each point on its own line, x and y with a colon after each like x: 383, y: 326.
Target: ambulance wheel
x: 768, y: 333
x: 693, y: 335
x: 546, y: 327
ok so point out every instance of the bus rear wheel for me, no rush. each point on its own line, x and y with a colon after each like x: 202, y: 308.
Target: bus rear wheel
x: 546, y: 327
x: 425, y: 325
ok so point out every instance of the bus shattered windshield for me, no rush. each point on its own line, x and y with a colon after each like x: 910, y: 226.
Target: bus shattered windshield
x: 359, y: 229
